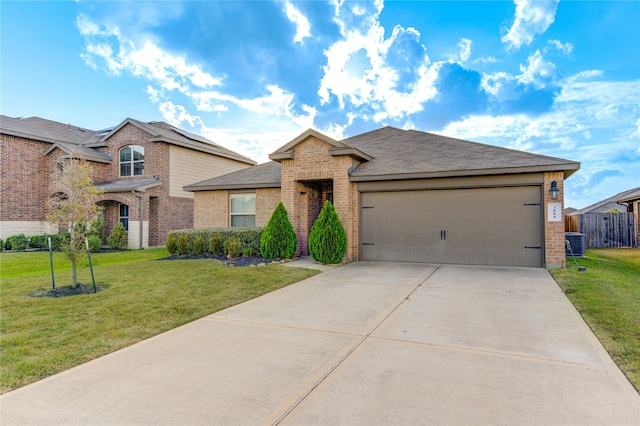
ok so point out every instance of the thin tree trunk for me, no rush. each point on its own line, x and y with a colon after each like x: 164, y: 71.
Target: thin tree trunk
x: 72, y: 255
x: 74, y: 275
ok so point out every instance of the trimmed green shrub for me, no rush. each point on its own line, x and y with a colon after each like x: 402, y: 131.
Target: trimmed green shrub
x: 214, y: 239
x: 278, y: 240
x: 1, y: 244
x: 216, y: 245
x: 182, y: 245
x: 95, y: 242
x: 172, y: 243
x: 118, y: 238
x: 248, y: 251
x: 198, y: 245
x: 328, y: 240
x: 37, y: 241
x: 18, y: 242
x: 58, y: 240
x: 98, y: 227
x: 232, y: 247
x: 42, y: 241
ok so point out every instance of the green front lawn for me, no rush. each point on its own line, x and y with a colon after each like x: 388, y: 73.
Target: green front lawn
x: 607, y: 295
x: 43, y: 336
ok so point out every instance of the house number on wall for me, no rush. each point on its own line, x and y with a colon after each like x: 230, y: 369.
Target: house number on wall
x: 555, y: 212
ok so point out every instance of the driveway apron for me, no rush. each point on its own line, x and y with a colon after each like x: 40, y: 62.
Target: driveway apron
x: 367, y: 343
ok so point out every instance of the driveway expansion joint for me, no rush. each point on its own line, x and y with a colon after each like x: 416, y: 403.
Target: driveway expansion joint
x: 359, y: 343
x: 497, y: 353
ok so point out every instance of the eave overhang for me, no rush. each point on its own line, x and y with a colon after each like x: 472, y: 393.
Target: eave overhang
x: 139, y: 185
x: 196, y: 188
x: 567, y: 168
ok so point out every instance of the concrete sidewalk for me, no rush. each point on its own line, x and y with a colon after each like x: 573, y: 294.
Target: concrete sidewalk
x: 366, y: 343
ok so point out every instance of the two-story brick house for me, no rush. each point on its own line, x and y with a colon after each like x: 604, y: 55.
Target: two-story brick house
x: 141, y: 167
x: 405, y: 195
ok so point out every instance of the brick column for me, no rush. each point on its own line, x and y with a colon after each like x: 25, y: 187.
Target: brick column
x: 554, y: 231
x: 345, y: 195
x: 288, y: 196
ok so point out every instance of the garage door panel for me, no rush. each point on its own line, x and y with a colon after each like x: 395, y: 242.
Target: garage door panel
x: 492, y: 226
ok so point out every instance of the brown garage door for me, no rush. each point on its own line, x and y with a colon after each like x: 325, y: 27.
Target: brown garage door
x: 480, y: 226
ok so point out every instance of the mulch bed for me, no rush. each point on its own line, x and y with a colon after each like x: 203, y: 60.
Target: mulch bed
x: 238, y: 261
x: 67, y: 291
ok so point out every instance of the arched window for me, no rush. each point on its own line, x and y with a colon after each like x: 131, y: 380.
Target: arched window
x: 132, y: 161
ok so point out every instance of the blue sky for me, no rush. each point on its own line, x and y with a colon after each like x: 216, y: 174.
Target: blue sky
x: 553, y: 78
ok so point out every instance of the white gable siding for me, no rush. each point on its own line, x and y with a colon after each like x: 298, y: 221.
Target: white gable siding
x: 187, y: 167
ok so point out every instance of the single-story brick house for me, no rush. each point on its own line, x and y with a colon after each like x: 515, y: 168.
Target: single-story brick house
x: 404, y: 195
x: 141, y: 167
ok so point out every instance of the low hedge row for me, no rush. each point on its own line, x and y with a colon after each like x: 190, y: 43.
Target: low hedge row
x: 211, y: 241
x: 41, y: 242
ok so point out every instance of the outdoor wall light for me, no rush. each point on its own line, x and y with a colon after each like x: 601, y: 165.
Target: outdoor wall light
x: 554, y: 190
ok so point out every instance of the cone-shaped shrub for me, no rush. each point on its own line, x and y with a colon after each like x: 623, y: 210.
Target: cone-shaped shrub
x: 118, y: 238
x: 278, y: 239
x: 327, y: 241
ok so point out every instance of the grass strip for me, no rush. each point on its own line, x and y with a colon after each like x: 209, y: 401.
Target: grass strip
x: 607, y: 295
x: 43, y: 336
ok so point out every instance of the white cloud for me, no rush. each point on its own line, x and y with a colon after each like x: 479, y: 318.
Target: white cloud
x: 538, y: 72
x: 566, y: 48
x: 532, y: 17
x: 177, y: 115
x: 594, y: 122
x: 390, y: 77
x: 498, y: 84
x: 464, y: 52
x: 636, y: 136
x: 171, y: 77
x: 303, y: 28
x: 171, y: 72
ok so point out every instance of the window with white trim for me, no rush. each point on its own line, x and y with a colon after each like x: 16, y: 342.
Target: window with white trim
x: 132, y: 160
x: 242, y: 208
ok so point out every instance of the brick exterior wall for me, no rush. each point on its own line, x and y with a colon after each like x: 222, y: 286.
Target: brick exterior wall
x: 554, y: 231
x: 301, y: 193
x: 267, y: 200
x: 302, y: 179
x: 312, y: 163
x: 26, y: 176
x: 169, y: 212
x: 211, y: 209
x: 25, y: 172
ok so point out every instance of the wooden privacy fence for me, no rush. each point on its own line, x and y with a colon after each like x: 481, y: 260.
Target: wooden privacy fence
x: 603, y: 230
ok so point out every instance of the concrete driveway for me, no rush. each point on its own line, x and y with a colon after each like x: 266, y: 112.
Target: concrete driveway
x: 367, y: 343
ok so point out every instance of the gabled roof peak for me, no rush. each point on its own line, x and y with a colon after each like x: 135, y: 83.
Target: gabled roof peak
x: 337, y: 148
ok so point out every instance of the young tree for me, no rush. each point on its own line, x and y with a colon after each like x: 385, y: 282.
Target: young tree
x: 278, y: 240
x: 328, y: 240
x: 73, y: 205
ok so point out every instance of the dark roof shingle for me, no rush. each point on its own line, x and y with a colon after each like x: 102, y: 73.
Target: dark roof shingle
x: 266, y: 175
x: 76, y: 140
x: 400, y: 153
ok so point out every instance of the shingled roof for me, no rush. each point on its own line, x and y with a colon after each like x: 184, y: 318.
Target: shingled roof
x: 392, y: 154
x: 266, y: 175
x: 75, y: 140
x: 411, y: 154
x: 164, y: 132
x: 43, y: 130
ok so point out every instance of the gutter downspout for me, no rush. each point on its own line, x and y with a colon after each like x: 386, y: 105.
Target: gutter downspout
x: 135, y: 194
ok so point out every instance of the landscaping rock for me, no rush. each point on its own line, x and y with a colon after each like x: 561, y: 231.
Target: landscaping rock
x: 238, y: 261
x: 67, y: 291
